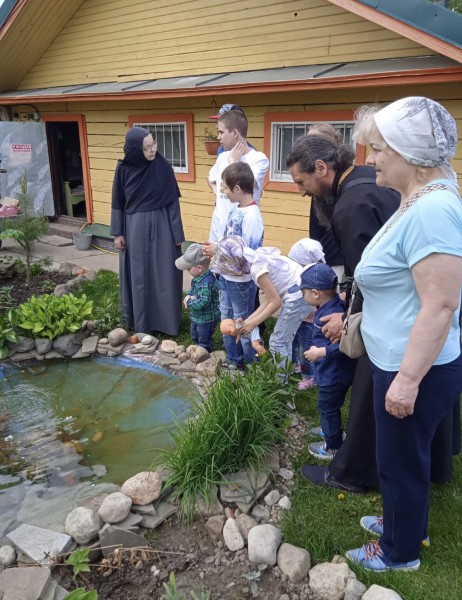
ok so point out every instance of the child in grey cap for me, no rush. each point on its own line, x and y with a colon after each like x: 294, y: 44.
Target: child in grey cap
x: 202, y: 299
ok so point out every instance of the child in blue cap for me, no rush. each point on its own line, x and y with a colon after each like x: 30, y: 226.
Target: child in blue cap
x: 333, y: 371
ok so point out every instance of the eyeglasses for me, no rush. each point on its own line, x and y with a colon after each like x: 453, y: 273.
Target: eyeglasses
x: 150, y: 146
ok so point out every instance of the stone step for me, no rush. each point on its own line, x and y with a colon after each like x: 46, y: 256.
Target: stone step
x: 65, y: 228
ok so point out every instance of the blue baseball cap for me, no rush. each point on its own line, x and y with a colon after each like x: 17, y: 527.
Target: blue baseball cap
x: 317, y: 277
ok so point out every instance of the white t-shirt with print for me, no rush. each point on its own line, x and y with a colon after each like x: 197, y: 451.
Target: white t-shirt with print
x: 283, y: 273
x: 259, y: 164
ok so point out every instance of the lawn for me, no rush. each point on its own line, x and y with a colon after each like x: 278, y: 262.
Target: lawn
x: 326, y: 522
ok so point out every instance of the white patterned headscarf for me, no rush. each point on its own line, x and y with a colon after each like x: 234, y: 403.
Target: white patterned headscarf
x: 306, y: 251
x: 421, y: 131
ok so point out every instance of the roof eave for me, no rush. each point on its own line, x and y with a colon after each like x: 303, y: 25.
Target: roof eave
x: 417, y: 76
x: 393, y: 24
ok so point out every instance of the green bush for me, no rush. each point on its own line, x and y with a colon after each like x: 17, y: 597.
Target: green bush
x: 7, y: 334
x: 103, y: 291
x: 233, y: 427
x: 48, y: 316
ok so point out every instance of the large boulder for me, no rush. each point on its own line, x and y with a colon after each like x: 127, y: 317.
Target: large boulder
x: 83, y: 524
x: 143, y: 488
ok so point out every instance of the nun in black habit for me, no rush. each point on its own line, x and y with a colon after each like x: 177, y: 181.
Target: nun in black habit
x: 147, y: 229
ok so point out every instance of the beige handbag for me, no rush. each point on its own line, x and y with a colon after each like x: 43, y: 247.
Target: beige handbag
x: 351, y: 342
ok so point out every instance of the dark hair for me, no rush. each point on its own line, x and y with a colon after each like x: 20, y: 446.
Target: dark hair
x: 235, y: 119
x: 239, y: 173
x: 310, y: 148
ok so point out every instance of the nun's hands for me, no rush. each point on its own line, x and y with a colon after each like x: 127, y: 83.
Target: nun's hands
x: 119, y: 242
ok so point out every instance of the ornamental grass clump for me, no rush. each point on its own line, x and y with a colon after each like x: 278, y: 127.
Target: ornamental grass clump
x: 233, y: 427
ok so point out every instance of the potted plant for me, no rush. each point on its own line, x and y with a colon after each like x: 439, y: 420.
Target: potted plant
x: 211, y: 142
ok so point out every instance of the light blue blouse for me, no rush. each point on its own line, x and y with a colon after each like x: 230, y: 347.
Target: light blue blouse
x: 433, y: 224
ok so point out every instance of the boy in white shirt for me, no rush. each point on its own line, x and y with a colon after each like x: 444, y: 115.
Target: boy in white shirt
x: 232, y: 131
x: 237, y: 293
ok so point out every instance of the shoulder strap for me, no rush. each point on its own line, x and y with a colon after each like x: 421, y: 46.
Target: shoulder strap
x: 358, y: 181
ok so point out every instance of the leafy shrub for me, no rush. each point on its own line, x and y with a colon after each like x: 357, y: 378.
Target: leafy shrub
x: 81, y: 594
x: 233, y: 427
x: 7, y: 334
x: 79, y: 560
x: 103, y: 291
x: 49, y: 316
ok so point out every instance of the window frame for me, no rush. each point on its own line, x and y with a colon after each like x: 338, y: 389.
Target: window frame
x: 187, y: 118
x: 327, y: 116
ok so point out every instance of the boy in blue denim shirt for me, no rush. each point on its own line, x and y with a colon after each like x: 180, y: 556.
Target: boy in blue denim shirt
x: 333, y: 371
x: 202, y: 300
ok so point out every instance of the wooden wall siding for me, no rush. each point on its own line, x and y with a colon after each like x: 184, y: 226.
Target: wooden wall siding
x: 285, y: 214
x: 37, y: 26
x: 118, y: 40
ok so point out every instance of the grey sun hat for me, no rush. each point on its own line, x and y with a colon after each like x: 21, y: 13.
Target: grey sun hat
x: 192, y: 257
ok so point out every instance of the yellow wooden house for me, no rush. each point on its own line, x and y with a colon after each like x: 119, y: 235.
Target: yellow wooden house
x: 92, y: 68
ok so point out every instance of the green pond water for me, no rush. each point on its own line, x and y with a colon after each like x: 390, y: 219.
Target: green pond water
x: 96, y: 420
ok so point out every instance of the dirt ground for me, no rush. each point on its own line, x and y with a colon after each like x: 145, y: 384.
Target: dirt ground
x: 18, y: 291
x: 199, y: 565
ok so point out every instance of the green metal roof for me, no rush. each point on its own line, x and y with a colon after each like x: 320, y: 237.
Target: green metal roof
x: 426, y: 16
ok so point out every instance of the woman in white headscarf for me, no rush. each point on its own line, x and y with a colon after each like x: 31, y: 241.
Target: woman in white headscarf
x: 410, y: 275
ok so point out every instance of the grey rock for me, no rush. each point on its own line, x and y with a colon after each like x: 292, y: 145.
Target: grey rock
x: 209, y: 506
x: 99, y: 470
x: 185, y: 367
x: 286, y: 474
x: 32, y: 581
x: 245, y: 524
x: 180, y: 350
x: 233, y: 538
x: 285, y: 503
x: 271, y: 460
x: 131, y: 522
x: 7, y: 556
x: 68, y: 344
x: 89, y: 275
x: 23, y: 344
x: 377, y: 592
x: 147, y: 340
x: 83, y: 524
x: 165, y: 361
x: 21, y: 356
x: 39, y: 544
x: 260, y: 513
x: 183, y: 357
x: 60, y: 593
x: 214, y: 527
x: 163, y: 511
x: 354, y: 589
x: 197, y: 354
x: 144, y: 509
x: 143, y: 487
x: 117, y: 336
x: 90, y: 344
x: 294, y: 562
x: 66, y: 268
x: 328, y: 581
x: 263, y: 543
x: 168, y: 346
x: 43, y: 345
x: 115, y: 508
x: 52, y: 354
x: 112, y: 537
x: 272, y: 498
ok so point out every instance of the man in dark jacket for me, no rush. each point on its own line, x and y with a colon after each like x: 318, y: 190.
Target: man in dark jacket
x: 347, y: 200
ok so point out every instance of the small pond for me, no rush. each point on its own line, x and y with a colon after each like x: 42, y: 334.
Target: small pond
x: 67, y: 427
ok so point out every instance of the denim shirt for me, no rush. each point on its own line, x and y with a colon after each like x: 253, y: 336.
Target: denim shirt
x: 335, y: 367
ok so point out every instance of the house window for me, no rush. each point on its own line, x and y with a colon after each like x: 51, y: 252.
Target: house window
x: 174, y: 135
x: 283, y: 129
x: 283, y: 136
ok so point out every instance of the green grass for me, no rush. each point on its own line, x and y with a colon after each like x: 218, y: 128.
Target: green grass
x: 326, y: 522
x: 232, y: 427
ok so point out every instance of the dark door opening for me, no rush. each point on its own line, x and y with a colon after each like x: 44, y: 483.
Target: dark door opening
x: 66, y: 169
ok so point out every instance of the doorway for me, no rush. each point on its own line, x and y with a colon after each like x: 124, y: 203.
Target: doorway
x: 66, y: 169
x: 69, y: 165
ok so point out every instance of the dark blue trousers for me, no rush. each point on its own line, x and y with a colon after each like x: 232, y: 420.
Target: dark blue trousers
x: 403, y: 457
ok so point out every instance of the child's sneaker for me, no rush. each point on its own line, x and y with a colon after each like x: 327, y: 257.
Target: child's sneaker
x: 317, y: 432
x: 374, y: 525
x: 306, y: 384
x: 321, y: 451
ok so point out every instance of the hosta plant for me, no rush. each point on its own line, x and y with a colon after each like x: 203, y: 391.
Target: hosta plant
x: 7, y: 334
x: 47, y: 316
